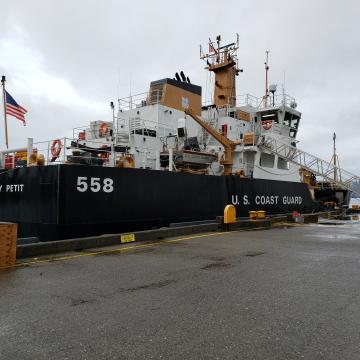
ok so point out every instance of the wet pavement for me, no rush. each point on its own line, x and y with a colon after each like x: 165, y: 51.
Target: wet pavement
x: 285, y: 293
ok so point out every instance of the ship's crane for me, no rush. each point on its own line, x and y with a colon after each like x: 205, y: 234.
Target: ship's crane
x: 228, y: 145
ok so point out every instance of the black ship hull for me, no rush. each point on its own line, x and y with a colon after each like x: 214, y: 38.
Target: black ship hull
x: 329, y: 195
x: 67, y: 201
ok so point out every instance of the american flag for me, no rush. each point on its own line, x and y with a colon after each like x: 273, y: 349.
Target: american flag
x: 211, y: 48
x: 13, y: 108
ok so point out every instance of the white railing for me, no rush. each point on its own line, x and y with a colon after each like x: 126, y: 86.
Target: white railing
x: 248, y: 100
x: 139, y: 100
x: 258, y: 102
x: 325, y: 169
x: 59, y: 151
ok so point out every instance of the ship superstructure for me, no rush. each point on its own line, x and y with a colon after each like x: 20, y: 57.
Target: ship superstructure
x: 155, y: 131
x: 167, y: 157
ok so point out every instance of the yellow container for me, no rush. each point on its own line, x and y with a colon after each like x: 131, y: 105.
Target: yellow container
x: 252, y: 215
x: 8, y: 236
x: 355, y: 207
x: 261, y: 214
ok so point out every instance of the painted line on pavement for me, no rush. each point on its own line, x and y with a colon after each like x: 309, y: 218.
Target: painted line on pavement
x: 109, y: 251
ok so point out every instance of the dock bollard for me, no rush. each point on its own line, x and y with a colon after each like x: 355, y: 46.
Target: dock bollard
x: 252, y: 215
x: 229, y: 215
x: 8, y: 237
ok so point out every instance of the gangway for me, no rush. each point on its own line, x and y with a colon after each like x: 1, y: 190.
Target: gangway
x: 309, y: 162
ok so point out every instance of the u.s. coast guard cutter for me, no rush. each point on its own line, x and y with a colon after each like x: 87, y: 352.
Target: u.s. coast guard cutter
x: 167, y: 157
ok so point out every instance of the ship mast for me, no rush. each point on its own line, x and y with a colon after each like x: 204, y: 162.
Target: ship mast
x: 222, y: 61
x: 334, y: 157
x: 266, y: 77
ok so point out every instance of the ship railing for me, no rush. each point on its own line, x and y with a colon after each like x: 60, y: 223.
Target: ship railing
x: 80, y: 130
x: 324, y: 169
x: 88, y: 132
x: 258, y: 102
x: 59, y: 151
x: 248, y: 100
x: 12, y: 158
x: 22, y: 157
x: 272, y: 101
x: 283, y: 100
x: 240, y: 100
x: 151, y: 97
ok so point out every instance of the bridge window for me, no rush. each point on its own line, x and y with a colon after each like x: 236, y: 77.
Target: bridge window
x: 269, y: 115
x: 283, y: 164
x: 293, y: 133
x: 267, y: 160
x: 291, y: 120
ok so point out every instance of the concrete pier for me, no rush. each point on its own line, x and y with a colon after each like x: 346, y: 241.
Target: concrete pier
x: 291, y: 292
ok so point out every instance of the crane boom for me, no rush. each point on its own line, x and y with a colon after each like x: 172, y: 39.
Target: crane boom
x: 224, y: 141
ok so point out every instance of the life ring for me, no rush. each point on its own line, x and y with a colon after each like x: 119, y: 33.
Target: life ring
x: 104, y: 156
x: 56, y: 147
x: 103, y: 130
x: 266, y: 124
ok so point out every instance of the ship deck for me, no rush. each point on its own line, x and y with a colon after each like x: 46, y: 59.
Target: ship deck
x: 286, y: 293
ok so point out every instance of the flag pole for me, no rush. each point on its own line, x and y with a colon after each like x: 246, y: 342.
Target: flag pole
x: 3, y: 79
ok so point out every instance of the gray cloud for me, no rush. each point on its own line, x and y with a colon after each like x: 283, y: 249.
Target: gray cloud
x: 65, y: 60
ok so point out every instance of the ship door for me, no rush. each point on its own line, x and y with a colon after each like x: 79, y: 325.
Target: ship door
x: 249, y: 160
x: 224, y: 130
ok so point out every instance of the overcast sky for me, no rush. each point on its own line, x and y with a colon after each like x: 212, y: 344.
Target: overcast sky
x: 66, y: 60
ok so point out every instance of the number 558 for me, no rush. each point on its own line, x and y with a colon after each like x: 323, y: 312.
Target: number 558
x: 94, y: 184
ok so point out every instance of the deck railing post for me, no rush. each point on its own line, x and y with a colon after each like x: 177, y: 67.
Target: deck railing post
x: 30, y: 144
x: 64, y: 155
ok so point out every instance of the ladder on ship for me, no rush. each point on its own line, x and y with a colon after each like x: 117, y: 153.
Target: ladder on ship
x: 309, y: 162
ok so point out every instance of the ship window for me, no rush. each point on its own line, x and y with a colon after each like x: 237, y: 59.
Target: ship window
x: 293, y: 133
x: 291, y: 120
x: 283, y: 164
x: 144, y: 132
x: 295, y: 123
x: 267, y: 160
x: 269, y: 115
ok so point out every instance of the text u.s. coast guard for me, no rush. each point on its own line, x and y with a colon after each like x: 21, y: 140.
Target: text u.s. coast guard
x: 267, y: 200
